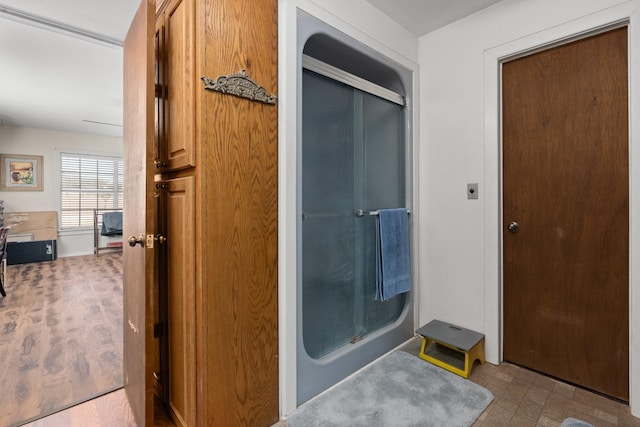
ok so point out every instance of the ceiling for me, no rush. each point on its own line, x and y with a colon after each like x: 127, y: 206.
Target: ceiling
x: 55, y: 79
x: 52, y: 78
x: 423, y: 16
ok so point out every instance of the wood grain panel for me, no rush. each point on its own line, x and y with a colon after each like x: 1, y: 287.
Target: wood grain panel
x: 179, y: 85
x: 40, y: 225
x: 237, y: 299
x: 139, y: 212
x: 566, y: 283
x: 180, y: 203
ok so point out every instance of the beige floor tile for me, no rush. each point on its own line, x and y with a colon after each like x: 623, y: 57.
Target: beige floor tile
x: 537, y: 394
x: 524, y: 398
x: 544, y: 421
x: 530, y: 410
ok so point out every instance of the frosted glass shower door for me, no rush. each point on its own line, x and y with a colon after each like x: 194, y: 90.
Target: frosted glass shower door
x: 353, y: 157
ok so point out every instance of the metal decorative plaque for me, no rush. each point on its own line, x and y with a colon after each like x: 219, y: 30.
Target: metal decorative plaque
x: 239, y: 84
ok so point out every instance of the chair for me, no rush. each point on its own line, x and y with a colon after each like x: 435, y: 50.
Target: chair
x: 3, y: 258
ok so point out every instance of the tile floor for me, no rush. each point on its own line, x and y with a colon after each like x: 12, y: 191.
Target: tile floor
x: 524, y: 398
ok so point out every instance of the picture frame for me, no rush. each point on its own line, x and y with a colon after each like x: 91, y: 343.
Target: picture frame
x: 21, y: 172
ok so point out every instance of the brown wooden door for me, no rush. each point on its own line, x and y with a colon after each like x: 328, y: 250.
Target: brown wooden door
x: 565, y: 156
x: 139, y: 212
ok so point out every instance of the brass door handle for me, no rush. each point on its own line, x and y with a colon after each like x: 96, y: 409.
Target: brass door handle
x: 133, y: 240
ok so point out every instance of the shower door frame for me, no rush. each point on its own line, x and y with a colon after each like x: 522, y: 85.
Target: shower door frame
x: 316, y: 375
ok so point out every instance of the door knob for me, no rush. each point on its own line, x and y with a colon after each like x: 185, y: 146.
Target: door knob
x: 160, y: 239
x: 513, y: 227
x: 133, y: 240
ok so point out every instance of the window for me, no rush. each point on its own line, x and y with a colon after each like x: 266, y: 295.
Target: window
x: 88, y: 182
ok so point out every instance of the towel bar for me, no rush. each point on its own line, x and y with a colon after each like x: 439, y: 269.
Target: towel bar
x: 360, y: 212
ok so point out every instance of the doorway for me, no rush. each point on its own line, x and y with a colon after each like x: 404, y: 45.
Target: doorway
x: 566, y: 212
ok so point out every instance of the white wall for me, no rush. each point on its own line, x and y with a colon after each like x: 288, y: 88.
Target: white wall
x: 46, y: 143
x: 459, y: 239
x: 359, y: 20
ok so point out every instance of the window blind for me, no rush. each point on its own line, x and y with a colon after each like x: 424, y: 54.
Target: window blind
x: 88, y: 182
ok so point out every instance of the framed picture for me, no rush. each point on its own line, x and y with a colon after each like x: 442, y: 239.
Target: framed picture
x: 21, y: 173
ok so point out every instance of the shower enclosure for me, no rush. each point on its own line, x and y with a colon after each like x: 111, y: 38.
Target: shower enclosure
x: 353, y: 161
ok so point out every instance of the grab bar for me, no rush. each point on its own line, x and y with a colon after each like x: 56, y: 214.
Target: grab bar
x: 360, y: 212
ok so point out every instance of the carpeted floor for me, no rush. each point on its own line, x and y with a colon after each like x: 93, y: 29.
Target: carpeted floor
x: 398, y: 390
x: 60, y: 334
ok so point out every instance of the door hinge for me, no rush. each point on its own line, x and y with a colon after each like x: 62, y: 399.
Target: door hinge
x: 158, y: 330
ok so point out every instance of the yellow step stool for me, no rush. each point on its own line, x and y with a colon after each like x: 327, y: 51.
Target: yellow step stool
x: 451, y: 347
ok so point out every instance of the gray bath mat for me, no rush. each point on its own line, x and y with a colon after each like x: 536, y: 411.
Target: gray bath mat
x: 572, y: 422
x: 398, y: 390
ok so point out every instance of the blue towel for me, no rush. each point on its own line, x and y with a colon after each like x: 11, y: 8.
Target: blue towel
x: 111, y: 224
x: 393, y: 257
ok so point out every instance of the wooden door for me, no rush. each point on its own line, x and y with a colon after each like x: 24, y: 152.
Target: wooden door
x: 181, y: 332
x: 139, y: 212
x: 565, y: 156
